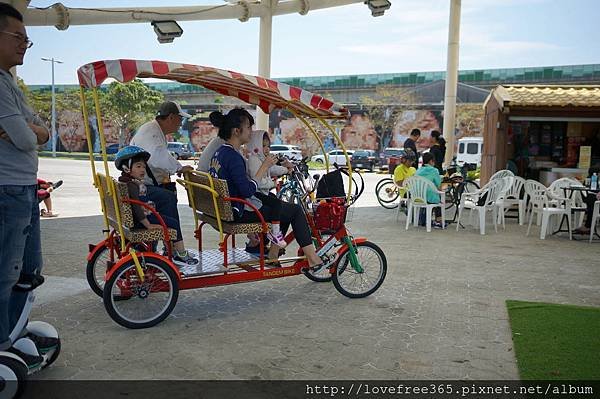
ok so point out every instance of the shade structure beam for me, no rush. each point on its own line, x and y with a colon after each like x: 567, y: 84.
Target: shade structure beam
x: 62, y: 17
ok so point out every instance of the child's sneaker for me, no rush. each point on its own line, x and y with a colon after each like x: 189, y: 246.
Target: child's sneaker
x: 277, y: 239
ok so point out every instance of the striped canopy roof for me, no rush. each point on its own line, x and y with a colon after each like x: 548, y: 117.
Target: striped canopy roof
x: 264, y: 93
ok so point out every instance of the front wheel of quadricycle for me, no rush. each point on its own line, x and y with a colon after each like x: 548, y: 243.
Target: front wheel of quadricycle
x: 13, y: 377
x: 150, y: 301
x: 96, y: 269
x: 353, y: 284
x: 387, y: 194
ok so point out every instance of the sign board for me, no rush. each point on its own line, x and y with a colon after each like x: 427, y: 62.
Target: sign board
x: 585, y: 156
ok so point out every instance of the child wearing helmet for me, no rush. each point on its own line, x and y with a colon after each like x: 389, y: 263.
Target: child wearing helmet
x: 132, y: 162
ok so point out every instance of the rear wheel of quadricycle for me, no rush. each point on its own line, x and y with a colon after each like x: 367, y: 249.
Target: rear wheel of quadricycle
x: 13, y: 376
x: 359, y: 284
x: 149, y: 301
x: 387, y: 194
x: 96, y: 270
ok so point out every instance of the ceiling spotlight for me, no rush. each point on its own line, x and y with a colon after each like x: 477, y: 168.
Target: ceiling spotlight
x: 378, y: 7
x: 166, y: 31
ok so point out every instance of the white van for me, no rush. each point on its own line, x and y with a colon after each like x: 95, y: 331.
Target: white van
x: 469, y: 150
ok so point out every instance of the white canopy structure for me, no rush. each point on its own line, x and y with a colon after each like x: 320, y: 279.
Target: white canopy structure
x: 63, y: 17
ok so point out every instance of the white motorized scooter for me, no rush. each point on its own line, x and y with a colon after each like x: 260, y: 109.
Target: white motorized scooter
x: 13, y: 369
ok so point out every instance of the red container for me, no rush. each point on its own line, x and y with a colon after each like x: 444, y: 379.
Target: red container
x: 330, y: 214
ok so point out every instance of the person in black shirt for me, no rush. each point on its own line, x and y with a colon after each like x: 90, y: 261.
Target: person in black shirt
x: 411, y: 143
x: 438, y: 149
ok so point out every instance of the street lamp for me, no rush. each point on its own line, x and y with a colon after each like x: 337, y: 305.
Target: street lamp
x: 53, y: 61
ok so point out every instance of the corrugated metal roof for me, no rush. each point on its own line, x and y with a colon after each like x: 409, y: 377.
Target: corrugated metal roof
x: 548, y: 96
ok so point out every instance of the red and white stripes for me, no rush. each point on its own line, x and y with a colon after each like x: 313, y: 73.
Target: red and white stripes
x: 264, y: 93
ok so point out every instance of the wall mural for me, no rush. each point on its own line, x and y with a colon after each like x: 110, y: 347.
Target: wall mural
x: 357, y: 132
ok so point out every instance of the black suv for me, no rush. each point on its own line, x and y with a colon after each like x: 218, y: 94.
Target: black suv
x: 364, y: 159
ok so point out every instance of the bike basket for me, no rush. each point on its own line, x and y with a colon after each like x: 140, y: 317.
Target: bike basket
x: 330, y: 214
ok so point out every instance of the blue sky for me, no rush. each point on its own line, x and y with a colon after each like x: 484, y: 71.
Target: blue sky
x: 410, y: 37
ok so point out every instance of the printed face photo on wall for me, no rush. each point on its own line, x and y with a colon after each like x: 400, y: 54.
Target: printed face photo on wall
x: 70, y: 131
x: 359, y: 133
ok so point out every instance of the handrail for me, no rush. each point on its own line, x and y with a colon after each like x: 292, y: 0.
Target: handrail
x: 164, y: 226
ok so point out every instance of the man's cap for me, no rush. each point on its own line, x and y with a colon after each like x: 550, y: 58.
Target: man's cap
x: 171, y: 107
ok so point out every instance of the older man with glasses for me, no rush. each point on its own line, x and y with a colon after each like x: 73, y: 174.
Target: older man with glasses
x: 20, y: 134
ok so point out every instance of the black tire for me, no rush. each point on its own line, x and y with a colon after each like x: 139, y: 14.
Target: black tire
x: 319, y: 160
x: 345, y: 273
x: 387, y: 194
x: 158, y: 274
x: 13, y: 377
x: 382, y: 181
x: 322, y: 276
x: 451, y: 197
x: 95, y: 277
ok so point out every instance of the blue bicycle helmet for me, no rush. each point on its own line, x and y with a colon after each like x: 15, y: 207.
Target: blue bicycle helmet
x: 127, y: 154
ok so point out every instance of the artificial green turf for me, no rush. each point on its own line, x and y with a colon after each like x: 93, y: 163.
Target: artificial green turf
x: 554, y: 342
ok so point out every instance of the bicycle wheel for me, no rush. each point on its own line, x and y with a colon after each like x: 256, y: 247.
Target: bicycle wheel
x: 382, y: 181
x: 323, y: 275
x: 387, y: 194
x: 353, y: 284
x: 288, y: 195
x: 150, y: 301
x: 96, y: 269
x: 470, y: 186
x: 451, y: 197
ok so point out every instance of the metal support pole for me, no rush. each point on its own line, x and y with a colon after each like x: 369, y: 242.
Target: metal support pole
x: 264, y: 56
x: 53, y: 61
x: 451, y: 79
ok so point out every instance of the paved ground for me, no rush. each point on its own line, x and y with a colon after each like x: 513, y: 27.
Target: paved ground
x: 439, y: 315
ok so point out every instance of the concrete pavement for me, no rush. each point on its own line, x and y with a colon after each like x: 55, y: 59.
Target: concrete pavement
x: 440, y: 314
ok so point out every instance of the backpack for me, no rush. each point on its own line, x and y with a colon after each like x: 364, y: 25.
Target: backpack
x: 331, y: 185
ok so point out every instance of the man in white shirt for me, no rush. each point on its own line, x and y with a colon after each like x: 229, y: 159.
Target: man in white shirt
x: 151, y: 137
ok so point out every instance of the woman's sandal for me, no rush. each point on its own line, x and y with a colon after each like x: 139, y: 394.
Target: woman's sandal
x: 47, y: 214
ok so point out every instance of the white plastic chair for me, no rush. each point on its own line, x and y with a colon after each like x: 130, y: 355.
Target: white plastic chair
x: 539, y: 203
x: 417, y: 188
x: 513, y: 198
x: 487, y: 196
x: 502, y: 173
x: 595, y: 216
x: 557, y: 195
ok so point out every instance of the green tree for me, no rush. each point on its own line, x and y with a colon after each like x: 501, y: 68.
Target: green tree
x: 129, y: 105
x: 385, y: 107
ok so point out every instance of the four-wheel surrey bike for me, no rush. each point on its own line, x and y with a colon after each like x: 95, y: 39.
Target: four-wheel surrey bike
x: 140, y: 286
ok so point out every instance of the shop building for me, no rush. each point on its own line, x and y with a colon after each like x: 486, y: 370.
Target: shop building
x: 542, y: 132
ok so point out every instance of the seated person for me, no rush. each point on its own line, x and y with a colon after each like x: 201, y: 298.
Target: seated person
x: 131, y: 161
x: 208, y: 152
x: 405, y: 169
x: 262, y: 168
x: 589, y: 199
x: 431, y: 173
x: 228, y: 164
x: 44, y: 188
